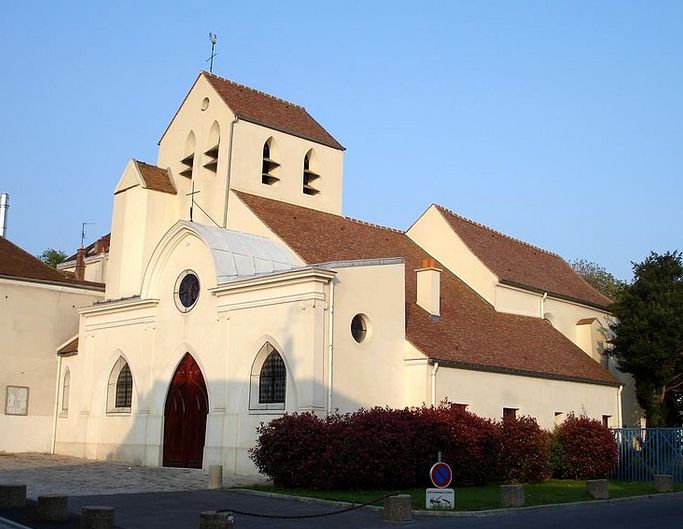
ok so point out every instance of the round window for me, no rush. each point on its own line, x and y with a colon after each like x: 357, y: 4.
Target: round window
x: 205, y: 104
x: 186, y: 291
x: 359, y: 327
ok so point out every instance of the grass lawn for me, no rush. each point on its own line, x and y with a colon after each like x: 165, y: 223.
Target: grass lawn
x: 480, y: 498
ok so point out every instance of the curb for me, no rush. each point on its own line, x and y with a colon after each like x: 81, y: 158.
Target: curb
x: 464, y: 514
x: 9, y: 524
x: 306, y: 499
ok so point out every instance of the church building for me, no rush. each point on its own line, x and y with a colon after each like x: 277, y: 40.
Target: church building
x: 236, y: 291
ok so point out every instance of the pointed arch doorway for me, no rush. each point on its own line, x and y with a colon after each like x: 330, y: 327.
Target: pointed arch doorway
x: 187, y: 404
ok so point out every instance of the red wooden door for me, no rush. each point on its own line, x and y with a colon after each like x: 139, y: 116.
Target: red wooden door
x: 187, y: 404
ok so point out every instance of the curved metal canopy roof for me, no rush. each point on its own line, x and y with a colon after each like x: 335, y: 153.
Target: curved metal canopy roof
x: 237, y: 254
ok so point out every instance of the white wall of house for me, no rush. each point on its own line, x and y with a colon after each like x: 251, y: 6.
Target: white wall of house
x: 36, y: 319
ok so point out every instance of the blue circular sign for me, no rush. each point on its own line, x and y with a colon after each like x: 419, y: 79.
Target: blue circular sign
x: 441, y: 475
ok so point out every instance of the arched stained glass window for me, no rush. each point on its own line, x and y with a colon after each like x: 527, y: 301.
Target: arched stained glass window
x: 124, y: 388
x: 65, y: 390
x: 272, y: 380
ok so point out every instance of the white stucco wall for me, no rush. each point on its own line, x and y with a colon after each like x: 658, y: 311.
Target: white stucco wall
x: 369, y: 373
x: 36, y: 320
x: 486, y: 394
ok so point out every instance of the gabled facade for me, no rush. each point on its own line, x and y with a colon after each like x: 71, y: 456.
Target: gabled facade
x: 236, y: 291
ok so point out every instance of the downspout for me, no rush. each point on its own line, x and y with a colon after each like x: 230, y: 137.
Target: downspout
x: 435, y: 370
x: 619, y: 417
x: 227, y: 180
x: 545, y: 296
x: 53, y: 441
x: 330, y: 353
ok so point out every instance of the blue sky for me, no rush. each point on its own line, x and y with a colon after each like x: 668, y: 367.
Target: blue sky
x: 560, y: 123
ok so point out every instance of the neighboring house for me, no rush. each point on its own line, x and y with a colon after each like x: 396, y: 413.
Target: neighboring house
x: 89, y: 263
x: 39, y: 308
x: 236, y: 291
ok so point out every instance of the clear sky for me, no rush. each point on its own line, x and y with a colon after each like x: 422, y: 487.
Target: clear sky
x: 560, y: 123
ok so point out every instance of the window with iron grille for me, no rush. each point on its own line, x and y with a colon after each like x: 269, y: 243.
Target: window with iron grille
x: 509, y: 413
x: 272, y: 380
x: 124, y: 388
x: 65, y: 391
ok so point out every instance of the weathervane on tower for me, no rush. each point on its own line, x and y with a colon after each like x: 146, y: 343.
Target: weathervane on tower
x: 213, y: 39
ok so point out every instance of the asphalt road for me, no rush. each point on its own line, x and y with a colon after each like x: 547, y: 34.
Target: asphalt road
x: 180, y: 510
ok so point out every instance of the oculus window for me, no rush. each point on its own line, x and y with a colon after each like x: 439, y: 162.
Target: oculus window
x: 359, y: 327
x: 186, y: 291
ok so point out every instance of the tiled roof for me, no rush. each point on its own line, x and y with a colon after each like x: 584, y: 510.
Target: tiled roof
x: 17, y: 263
x: 69, y: 348
x: 263, y: 109
x: 94, y: 248
x: 469, y: 334
x: 156, y: 178
x: 586, y: 321
x: 522, y: 264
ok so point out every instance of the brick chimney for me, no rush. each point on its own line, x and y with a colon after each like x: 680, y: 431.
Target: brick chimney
x: 429, y: 287
x: 102, y: 245
x: 80, y: 264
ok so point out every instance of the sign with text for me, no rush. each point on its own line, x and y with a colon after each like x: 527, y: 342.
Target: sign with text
x: 16, y: 402
x: 439, y: 499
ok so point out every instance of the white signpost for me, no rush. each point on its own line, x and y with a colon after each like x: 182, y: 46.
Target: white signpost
x: 440, y: 498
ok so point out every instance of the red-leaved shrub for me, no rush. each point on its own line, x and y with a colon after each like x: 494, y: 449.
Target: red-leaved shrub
x: 522, y: 451
x: 466, y: 442
x: 582, y: 448
x: 288, y: 448
x: 375, y: 448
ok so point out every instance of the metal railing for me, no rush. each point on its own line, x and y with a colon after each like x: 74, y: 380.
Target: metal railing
x: 644, y: 452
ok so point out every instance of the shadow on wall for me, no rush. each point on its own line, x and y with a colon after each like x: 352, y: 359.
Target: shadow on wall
x: 197, y: 420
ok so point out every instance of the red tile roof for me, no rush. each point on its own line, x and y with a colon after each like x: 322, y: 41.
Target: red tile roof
x: 19, y: 264
x: 586, y: 321
x: 470, y: 333
x: 70, y: 348
x: 519, y: 263
x: 156, y: 178
x: 263, y: 109
x: 101, y: 245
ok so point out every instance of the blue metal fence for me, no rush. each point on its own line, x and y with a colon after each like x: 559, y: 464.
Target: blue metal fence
x: 644, y: 452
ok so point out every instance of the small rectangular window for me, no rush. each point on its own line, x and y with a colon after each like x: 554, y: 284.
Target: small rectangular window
x: 605, y: 420
x: 509, y: 413
x: 559, y: 418
x: 460, y: 407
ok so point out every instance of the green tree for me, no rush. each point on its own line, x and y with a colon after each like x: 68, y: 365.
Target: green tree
x: 648, y: 336
x: 599, y: 278
x: 52, y: 257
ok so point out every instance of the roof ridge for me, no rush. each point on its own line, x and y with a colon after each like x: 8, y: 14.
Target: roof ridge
x: 345, y: 217
x: 147, y: 164
x: 372, y: 224
x: 489, y: 228
x: 240, y: 85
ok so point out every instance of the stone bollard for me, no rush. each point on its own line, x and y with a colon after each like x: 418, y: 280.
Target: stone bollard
x: 12, y: 496
x: 511, y: 496
x: 664, y: 483
x: 398, y: 508
x: 216, y: 520
x: 53, y: 508
x: 215, y: 476
x: 597, y: 489
x: 97, y: 517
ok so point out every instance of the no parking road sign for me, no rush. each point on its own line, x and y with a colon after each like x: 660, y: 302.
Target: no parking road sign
x: 441, y: 475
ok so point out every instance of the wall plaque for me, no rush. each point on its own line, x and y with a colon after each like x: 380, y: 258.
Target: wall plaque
x: 16, y: 402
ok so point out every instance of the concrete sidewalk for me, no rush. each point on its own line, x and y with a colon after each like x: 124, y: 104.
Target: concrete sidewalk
x: 71, y: 476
